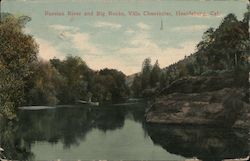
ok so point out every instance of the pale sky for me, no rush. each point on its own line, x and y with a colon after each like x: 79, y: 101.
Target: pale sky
x: 121, y: 42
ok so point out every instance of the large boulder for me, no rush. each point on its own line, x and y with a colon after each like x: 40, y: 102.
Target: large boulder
x: 217, y: 108
x: 204, y: 83
x: 243, y: 122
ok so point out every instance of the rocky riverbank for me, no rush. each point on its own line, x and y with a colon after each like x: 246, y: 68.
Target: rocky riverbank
x: 204, y: 143
x: 205, y: 100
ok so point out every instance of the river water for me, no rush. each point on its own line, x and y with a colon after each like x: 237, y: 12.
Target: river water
x: 114, y: 132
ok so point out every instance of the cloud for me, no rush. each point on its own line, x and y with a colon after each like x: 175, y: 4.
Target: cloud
x: 47, y: 50
x: 96, y: 56
x: 129, y: 31
x: 143, y: 26
x: 192, y: 28
x: 101, y: 24
x: 79, y: 40
x: 64, y: 28
x: 128, y: 58
x: 141, y: 46
x: 109, y: 61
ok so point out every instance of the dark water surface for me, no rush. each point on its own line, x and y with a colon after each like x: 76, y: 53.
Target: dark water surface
x: 113, y: 132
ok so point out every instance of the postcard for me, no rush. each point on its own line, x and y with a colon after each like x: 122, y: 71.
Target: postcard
x: 124, y: 80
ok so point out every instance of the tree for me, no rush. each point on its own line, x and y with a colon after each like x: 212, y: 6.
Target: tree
x: 207, y: 39
x: 155, y: 75
x: 163, y: 80
x: 190, y: 69
x: 86, y: 84
x: 114, y: 84
x: 222, y: 48
x: 145, y: 73
x: 18, y: 53
x: 46, y: 79
x: 74, y: 75
x: 137, y: 85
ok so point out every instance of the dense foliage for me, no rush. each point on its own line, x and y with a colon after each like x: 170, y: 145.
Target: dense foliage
x: 25, y: 80
x: 70, y: 80
x: 148, y: 79
x: 226, y: 48
x: 17, y: 56
x: 76, y: 81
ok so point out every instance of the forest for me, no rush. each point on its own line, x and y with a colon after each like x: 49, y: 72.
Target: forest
x: 222, y: 49
x: 27, y: 80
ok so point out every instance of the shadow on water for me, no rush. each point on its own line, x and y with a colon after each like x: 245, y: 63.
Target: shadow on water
x: 70, y: 125
x: 207, y: 144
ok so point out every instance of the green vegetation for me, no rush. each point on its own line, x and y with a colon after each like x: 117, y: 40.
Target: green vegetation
x: 148, y: 79
x: 25, y: 80
x: 17, y: 58
x: 225, y: 48
x: 76, y: 81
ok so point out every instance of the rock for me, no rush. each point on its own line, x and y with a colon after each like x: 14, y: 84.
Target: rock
x: 199, y: 84
x: 244, y: 121
x: 215, y: 98
x: 205, y: 143
x: 217, y: 108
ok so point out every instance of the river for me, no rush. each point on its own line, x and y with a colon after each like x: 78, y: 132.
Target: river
x: 113, y: 132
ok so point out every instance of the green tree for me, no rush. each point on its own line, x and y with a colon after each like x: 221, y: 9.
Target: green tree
x: 74, y: 72
x: 163, y: 80
x: 137, y: 86
x: 46, y: 79
x: 145, y: 73
x: 207, y: 39
x: 229, y: 37
x: 114, y: 84
x: 18, y: 53
x: 155, y: 75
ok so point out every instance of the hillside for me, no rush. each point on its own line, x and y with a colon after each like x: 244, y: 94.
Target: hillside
x: 225, y: 48
x: 210, y: 87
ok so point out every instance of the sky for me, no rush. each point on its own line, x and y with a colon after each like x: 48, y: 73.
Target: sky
x: 117, y: 39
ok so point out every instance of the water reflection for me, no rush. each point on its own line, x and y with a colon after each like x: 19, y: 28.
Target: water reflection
x: 68, y: 125
x: 71, y: 125
x: 12, y: 142
x: 207, y: 144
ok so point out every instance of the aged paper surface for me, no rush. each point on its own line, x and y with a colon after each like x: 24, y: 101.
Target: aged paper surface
x: 124, y: 79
